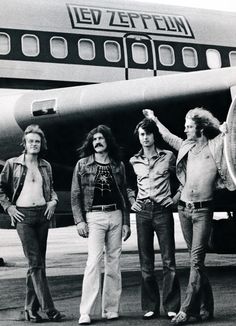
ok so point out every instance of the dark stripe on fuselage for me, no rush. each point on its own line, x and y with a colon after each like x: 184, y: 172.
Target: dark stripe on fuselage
x: 16, y: 83
x: 100, y: 60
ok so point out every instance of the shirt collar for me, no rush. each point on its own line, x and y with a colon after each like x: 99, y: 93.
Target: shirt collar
x: 160, y: 152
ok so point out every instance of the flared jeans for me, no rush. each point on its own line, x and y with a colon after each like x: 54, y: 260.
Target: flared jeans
x: 105, y: 232
x: 33, y: 233
x: 157, y: 219
x: 196, y: 228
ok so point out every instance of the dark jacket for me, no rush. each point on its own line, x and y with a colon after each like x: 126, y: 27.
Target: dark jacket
x: 13, y: 176
x: 83, y: 184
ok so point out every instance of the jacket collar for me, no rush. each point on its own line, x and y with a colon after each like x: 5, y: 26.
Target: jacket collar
x: 188, y: 144
x: 91, y: 160
x: 21, y: 160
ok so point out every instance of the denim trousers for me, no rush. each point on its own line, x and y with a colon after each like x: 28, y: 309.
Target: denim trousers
x: 105, y: 231
x: 33, y: 232
x: 156, y: 219
x: 196, y: 228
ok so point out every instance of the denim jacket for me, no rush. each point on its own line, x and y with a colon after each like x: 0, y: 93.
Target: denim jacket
x: 12, y: 180
x: 216, y: 147
x: 153, y: 176
x: 83, y: 184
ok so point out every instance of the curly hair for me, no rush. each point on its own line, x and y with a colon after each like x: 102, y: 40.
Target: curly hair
x: 35, y: 129
x: 150, y: 127
x: 87, y: 148
x: 205, y: 121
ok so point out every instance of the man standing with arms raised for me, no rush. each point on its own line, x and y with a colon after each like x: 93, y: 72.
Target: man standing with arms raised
x: 200, y: 168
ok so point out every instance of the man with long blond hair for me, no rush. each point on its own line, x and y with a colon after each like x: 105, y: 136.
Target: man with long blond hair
x: 200, y: 168
x: 27, y: 195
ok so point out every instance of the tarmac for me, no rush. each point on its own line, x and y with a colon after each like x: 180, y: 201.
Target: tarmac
x: 66, y: 258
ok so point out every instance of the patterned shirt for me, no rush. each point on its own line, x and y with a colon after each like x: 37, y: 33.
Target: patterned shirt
x: 105, y: 190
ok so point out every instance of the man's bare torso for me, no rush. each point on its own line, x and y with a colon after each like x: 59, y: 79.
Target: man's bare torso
x: 32, y: 191
x: 201, y: 173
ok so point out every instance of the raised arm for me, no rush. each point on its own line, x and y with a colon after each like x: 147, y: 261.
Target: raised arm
x: 171, y: 139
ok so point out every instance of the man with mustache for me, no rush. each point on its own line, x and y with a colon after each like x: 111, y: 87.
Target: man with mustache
x: 100, y: 209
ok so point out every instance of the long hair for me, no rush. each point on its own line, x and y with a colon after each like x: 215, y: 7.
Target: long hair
x: 35, y: 129
x: 87, y: 148
x: 205, y: 121
x: 150, y: 127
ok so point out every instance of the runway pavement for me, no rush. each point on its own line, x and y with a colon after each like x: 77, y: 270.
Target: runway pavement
x: 66, y: 259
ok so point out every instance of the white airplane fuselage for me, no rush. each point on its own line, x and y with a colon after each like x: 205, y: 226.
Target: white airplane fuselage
x: 70, y: 65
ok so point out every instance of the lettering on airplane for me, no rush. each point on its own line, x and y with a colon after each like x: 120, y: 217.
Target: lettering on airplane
x: 128, y: 21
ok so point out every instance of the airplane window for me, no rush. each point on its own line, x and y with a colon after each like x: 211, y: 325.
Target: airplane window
x: 213, y: 59
x: 232, y: 58
x: 166, y: 54
x: 139, y: 53
x: 86, y: 49
x: 112, y: 51
x: 190, y: 57
x: 44, y: 107
x: 58, y: 47
x: 30, y: 45
x: 4, y: 43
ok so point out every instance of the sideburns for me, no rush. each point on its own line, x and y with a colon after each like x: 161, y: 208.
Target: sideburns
x: 198, y: 133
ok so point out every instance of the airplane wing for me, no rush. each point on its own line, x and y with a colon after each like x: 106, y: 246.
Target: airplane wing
x: 67, y: 114
x: 82, y: 103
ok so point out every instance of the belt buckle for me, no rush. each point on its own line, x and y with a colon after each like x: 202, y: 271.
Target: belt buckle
x: 108, y: 208
x: 105, y: 208
x: 190, y: 205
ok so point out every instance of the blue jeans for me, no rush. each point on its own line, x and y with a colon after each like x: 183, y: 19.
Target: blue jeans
x: 196, y: 227
x: 155, y: 218
x: 33, y: 232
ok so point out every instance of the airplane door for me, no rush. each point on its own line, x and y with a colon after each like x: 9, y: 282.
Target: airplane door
x: 140, y: 58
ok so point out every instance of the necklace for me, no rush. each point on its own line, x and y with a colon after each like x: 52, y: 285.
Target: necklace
x: 197, y: 149
x: 33, y: 174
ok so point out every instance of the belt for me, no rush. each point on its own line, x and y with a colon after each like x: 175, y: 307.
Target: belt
x: 104, y: 208
x: 152, y: 203
x: 195, y: 205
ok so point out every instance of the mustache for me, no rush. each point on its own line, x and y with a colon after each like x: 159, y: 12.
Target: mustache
x: 98, y: 145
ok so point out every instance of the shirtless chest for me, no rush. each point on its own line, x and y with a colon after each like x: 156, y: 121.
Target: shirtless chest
x: 32, y: 191
x: 201, y: 163
x: 33, y: 175
x: 201, y: 173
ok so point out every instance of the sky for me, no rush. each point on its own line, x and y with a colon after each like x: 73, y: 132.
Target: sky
x: 225, y: 5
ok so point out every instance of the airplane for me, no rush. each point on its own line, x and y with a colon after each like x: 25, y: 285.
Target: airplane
x: 71, y: 65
